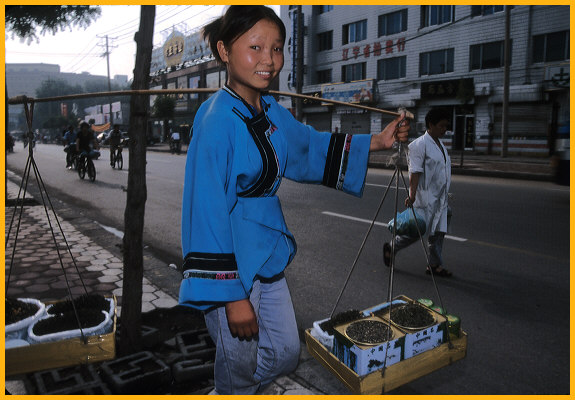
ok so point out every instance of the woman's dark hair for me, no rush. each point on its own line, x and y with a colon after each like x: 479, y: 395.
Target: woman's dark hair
x: 235, y: 22
x: 435, y: 115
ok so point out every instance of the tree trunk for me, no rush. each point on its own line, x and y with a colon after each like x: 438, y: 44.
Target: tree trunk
x: 131, y: 316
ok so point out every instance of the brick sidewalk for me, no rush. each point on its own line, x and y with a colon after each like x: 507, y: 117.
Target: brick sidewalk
x: 36, y: 270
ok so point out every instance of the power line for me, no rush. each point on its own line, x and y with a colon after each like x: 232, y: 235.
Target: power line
x: 90, y: 54
x: 52, y: 54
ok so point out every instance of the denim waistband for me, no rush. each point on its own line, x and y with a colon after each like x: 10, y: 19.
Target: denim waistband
x: 273, y: 279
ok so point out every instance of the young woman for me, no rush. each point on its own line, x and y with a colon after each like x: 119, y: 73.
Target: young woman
x: 235, y: 241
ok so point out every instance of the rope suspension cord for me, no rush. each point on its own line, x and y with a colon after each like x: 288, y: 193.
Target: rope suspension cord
x: 361, y: 248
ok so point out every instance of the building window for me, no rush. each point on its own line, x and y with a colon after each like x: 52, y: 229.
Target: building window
x: 355, y: 32
x: 486, y: 10
x: 322, y: 9
x: 436, y: 62
x: 395, y: 22
x: 391, y: 68
x: 324, y: 76
x: 436, y: 15
x: 551, y: 47
x: 325, y: 41
x: 487, y: 55
x: 353, y: 72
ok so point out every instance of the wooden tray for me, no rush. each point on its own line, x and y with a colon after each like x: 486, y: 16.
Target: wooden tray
x: 394, y: 376
x: 41, y: 356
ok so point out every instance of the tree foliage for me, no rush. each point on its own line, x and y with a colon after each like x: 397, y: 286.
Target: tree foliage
x: 24, y: 21
x: 164, y: 107
x: 47, y: 115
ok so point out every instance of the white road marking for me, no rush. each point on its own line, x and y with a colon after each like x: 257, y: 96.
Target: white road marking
x: 392, y: 186
x: 367, y: 221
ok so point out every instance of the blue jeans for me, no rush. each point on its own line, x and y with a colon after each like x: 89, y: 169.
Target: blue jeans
x: 434, y: 246
x: 243, y: 366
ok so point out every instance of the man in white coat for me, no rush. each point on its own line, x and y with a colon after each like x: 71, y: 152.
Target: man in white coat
x: 429, y: 181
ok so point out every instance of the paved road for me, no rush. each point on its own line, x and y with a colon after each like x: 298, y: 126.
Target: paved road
x: 508, y: 249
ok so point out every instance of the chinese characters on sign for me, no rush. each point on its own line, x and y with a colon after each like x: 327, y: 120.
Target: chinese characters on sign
x: 174, y: 49
x: 377, y: 49
x: 444, y: 88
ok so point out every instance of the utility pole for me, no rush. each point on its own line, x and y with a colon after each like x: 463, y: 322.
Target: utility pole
x: 505, y: 111
x: 107, y: 55
x: 299, y: 64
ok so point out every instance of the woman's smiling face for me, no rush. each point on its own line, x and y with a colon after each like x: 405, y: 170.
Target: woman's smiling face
x: 254, y: 59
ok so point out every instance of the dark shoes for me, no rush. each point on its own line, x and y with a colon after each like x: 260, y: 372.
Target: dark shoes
x: 438, y: 271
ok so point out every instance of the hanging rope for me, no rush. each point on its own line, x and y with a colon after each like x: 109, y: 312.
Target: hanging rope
x: 32, y: 166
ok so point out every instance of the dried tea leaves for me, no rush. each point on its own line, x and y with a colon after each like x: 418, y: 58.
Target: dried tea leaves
x: 66, y: 322
x: 84, y: 302
x: 369, y: 332
x: 412, y: 315
x: 17, y: 310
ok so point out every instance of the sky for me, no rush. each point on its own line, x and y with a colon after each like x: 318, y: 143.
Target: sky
x: 82, y: 50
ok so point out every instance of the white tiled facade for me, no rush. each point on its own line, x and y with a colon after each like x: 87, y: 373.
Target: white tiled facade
x: 536, y: 104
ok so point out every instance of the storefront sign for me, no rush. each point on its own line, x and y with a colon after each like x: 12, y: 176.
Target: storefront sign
x: 438, y: 89
x: 388, y: 47
x: 179, y: 51
x: 174, y: 49
x: 352, y: 92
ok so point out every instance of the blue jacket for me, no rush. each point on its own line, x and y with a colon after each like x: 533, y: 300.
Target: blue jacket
x: 233, y: 227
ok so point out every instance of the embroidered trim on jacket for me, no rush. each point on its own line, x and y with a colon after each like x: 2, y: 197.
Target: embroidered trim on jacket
x: 260, y: 128
x: 216, y: 275
x: 220, y: 266
x: 337, y: 160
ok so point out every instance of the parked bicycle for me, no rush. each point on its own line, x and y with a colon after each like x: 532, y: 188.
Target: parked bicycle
x: 86, y: 166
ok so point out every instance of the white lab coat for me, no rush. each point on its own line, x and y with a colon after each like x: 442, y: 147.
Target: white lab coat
x: 431, y: 198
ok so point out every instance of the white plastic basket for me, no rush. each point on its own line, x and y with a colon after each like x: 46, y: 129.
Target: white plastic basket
x: 100, y: 329
x: 19, y: 330
x: 322, y: 336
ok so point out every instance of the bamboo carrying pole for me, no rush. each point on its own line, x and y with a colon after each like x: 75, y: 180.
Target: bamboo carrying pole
x: 25, y: 99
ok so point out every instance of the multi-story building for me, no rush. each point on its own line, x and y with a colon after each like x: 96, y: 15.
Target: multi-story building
x: 420, y: 57
x: 25, y: 79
